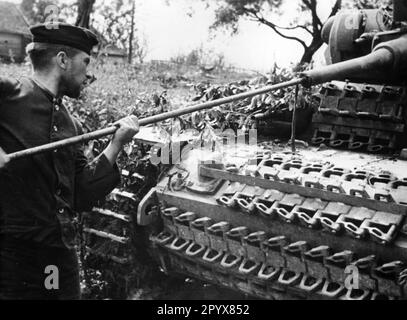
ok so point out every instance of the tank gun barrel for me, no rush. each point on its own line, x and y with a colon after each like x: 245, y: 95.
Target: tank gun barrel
x: 387, y: 58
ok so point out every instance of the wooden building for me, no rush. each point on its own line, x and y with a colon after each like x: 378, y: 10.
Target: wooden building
x: 14, y: 32
x: 113, y: 54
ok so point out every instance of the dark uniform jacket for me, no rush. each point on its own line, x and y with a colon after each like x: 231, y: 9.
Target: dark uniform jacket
x: 39, y: 195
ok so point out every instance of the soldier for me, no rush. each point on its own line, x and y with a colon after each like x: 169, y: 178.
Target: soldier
x: 39, y: 195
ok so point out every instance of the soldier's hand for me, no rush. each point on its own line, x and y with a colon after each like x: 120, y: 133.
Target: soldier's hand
x: 3, y: 158
x: 128, y: 128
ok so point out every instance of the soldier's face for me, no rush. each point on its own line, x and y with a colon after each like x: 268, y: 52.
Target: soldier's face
x: 76, y: 75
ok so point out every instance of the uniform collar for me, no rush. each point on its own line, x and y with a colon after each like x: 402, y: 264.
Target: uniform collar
x: 51, y: 97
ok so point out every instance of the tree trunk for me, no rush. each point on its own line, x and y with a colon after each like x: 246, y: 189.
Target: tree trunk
x: 131, y: 37
x: 85, y: 8
x: 311, y: 50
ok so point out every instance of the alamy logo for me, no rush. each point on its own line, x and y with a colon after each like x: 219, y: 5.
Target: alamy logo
x: 172, y: 153
x: 352, y: 278
x: 52, y: 280
x: 351, y: 22
x: 51, y: 21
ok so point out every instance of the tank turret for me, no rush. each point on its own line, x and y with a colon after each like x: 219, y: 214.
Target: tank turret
x: 365, y: 46
x: 363, y: 100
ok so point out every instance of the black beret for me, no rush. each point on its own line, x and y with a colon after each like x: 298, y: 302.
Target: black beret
x: 64, y: 34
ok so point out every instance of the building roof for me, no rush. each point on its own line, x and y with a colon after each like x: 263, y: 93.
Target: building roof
x: 12, y: 19
x: 113, y: 51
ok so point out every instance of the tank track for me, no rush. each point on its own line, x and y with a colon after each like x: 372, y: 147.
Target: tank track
x: 280, y: 275
x: 261, y: 231
x: 114, y: 252
x: 360, y: 116
x: 267, y: 235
